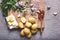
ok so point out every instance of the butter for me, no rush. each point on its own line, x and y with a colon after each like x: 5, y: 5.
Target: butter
x: 11, y: 21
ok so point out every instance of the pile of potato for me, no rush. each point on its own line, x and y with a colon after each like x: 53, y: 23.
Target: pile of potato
x: 28, y: 27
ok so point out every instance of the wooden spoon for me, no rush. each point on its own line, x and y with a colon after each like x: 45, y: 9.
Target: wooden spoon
x: 41, y: 14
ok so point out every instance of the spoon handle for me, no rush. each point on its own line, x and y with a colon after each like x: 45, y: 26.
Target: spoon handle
x: 41, y: 14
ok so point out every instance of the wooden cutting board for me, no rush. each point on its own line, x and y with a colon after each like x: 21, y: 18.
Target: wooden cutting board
x: 18, y: 19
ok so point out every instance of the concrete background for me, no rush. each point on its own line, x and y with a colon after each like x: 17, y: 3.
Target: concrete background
x: 52, y: 25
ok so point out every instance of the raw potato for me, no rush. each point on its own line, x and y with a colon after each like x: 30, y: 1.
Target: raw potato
x: 28, y: 24
x: 34, y: 26
x: 26, y: 30
x: 32, y: 19
x: 21, y: 25
x: 34, y: 31
x: 29, y: 35
x: 22, y: 33
x: 23, y: 20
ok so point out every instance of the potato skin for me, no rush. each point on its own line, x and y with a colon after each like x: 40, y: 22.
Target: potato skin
x: 22, y: 33
x: 32, y: 19
x: 21, y: 25
x: 34, y: 31
x: 23, y: 20
x: 29, y: 35
x: 26, y: 30
x: 34, y: 26
x: 29, y: 27
x: 28, y: 24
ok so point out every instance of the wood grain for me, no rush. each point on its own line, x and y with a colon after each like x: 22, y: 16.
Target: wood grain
x: 41, y: 14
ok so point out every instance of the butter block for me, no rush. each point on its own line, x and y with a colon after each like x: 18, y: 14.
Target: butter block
x: 11, y: 20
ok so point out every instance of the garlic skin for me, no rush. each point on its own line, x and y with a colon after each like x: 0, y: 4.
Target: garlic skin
x: 55, y: 13
x: 21, y: 3
x: 17, y: 4
x: 31, y: 5
x: 33, y: 9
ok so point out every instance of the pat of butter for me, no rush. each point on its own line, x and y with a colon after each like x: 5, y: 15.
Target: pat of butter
x: 14, y: 23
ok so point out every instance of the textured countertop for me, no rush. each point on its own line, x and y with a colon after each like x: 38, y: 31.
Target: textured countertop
x: 52, y: 25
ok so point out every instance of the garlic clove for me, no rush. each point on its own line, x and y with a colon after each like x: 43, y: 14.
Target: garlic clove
x: 55, y: 13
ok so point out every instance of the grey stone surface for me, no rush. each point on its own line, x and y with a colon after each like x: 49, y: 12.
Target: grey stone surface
x: 52, y: 25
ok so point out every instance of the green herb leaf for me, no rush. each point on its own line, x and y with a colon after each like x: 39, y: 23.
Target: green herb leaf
x: 9, y: 3
x: 14, y: 6
x: 15, y: 0
x: 6, y: 7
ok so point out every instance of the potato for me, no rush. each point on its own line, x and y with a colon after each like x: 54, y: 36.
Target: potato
x: 26, y: 30
x: 23, y: 20
x: 32, y: 19
x: 21, y: 25
x: 29, y: 35
x: 22, y: 33
x: 28, y: 24
x: 34, y: 26
x: 34, y: 31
